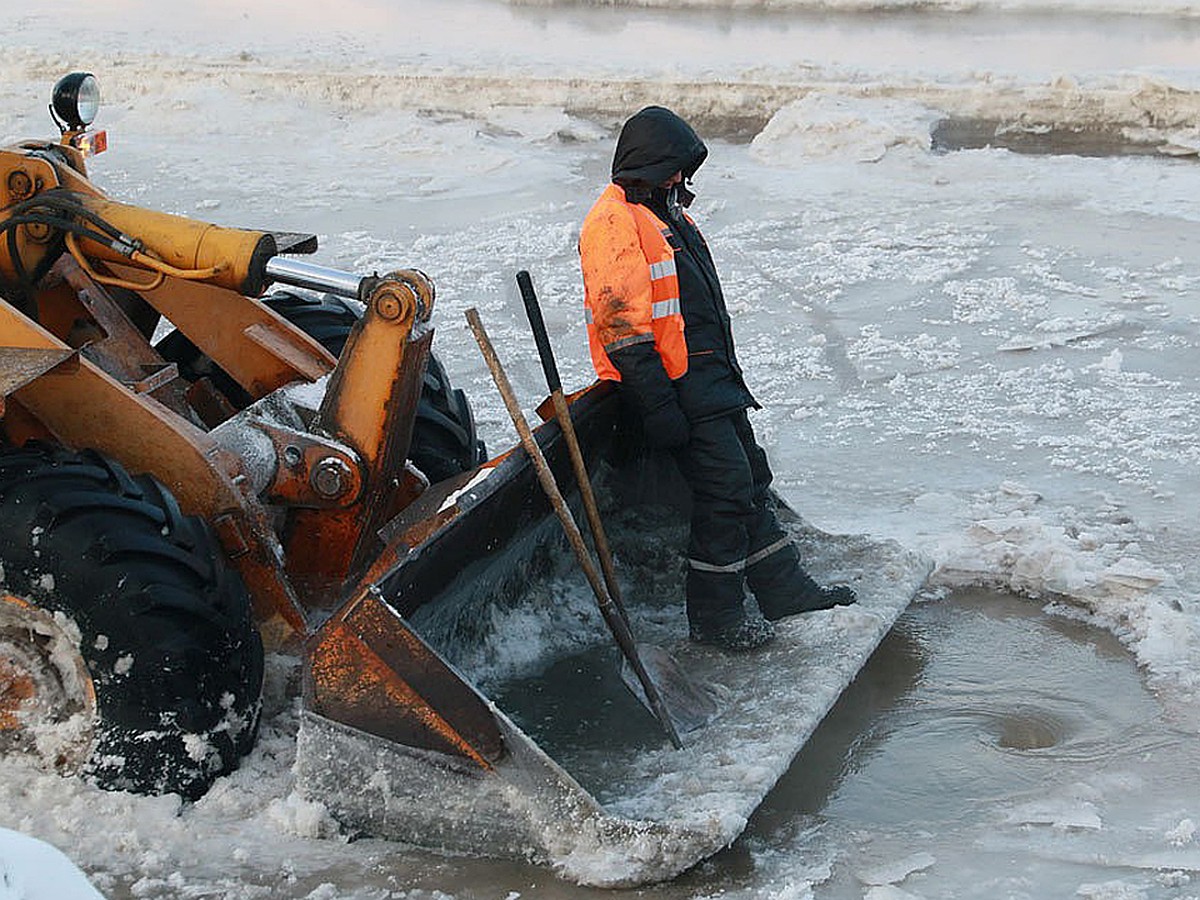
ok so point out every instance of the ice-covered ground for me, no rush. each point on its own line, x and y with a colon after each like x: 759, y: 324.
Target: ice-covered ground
x: 986, y: 356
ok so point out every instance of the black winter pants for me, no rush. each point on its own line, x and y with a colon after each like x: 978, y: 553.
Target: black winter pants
x: 735, y: 536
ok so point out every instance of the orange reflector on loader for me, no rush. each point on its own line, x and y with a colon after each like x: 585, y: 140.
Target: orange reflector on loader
x: 89, y: 143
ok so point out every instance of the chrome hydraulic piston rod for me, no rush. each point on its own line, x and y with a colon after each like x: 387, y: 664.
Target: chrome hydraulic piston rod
x: 302, y: 274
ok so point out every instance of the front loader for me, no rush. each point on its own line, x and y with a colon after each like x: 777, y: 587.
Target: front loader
x: 167, y: 502
x: 193, y: 467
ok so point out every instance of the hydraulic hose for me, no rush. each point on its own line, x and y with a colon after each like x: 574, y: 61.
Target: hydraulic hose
x: 166, y: 245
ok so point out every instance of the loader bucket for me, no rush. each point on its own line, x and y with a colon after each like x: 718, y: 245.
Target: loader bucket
x: 466, y: 700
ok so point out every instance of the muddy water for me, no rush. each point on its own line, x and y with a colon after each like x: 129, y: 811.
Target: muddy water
x: 1052, y: 41
x: 993, y: 750
x: 988, y: 749
x: 549, y: 35
x: 981, y: 695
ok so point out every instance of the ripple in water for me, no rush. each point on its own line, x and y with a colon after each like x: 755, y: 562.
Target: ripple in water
x: 985, y: 731
x: 1029, y: 730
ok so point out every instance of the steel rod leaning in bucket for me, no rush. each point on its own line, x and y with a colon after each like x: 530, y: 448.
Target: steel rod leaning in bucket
x: 613, y: 616
x: 561, y: 412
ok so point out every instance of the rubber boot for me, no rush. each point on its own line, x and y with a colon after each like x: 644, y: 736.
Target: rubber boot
x: 796, y: 593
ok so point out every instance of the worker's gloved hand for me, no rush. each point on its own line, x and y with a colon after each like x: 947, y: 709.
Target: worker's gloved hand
x: 645, y: 384
x: 666, y: 427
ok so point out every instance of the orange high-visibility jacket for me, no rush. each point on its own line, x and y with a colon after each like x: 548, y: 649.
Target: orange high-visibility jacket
x: 631, y: 291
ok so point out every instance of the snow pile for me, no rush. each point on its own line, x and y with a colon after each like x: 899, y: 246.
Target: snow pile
x: 294, y: 814
x: 829, y: 124
x: 1095, y: 574
x: 33, y: 870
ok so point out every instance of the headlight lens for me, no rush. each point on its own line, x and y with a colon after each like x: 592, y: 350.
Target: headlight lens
x: 76, y: 99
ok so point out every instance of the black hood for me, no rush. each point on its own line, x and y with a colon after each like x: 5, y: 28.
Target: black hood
x: 654, y: 145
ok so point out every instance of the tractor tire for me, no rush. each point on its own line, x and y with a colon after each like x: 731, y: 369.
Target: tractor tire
x: 326, y: 319
x: 444, y: 441
x: 127, y: 649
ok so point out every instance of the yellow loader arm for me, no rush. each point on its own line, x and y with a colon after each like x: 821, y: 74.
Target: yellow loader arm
x: 50, y: 205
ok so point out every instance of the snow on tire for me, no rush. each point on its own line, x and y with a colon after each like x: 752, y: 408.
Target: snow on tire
x: 127, y: 648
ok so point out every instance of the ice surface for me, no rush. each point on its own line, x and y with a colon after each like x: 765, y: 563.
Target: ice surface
x: 896, y: 871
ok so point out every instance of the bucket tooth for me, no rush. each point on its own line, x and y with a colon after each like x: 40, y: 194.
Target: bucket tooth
x: 369, y: 670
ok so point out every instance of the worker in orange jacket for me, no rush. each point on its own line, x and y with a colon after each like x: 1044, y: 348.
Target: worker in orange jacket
x: 657, y: 323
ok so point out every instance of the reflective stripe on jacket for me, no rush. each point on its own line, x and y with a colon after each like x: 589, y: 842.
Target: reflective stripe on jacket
x: 631, y: 290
